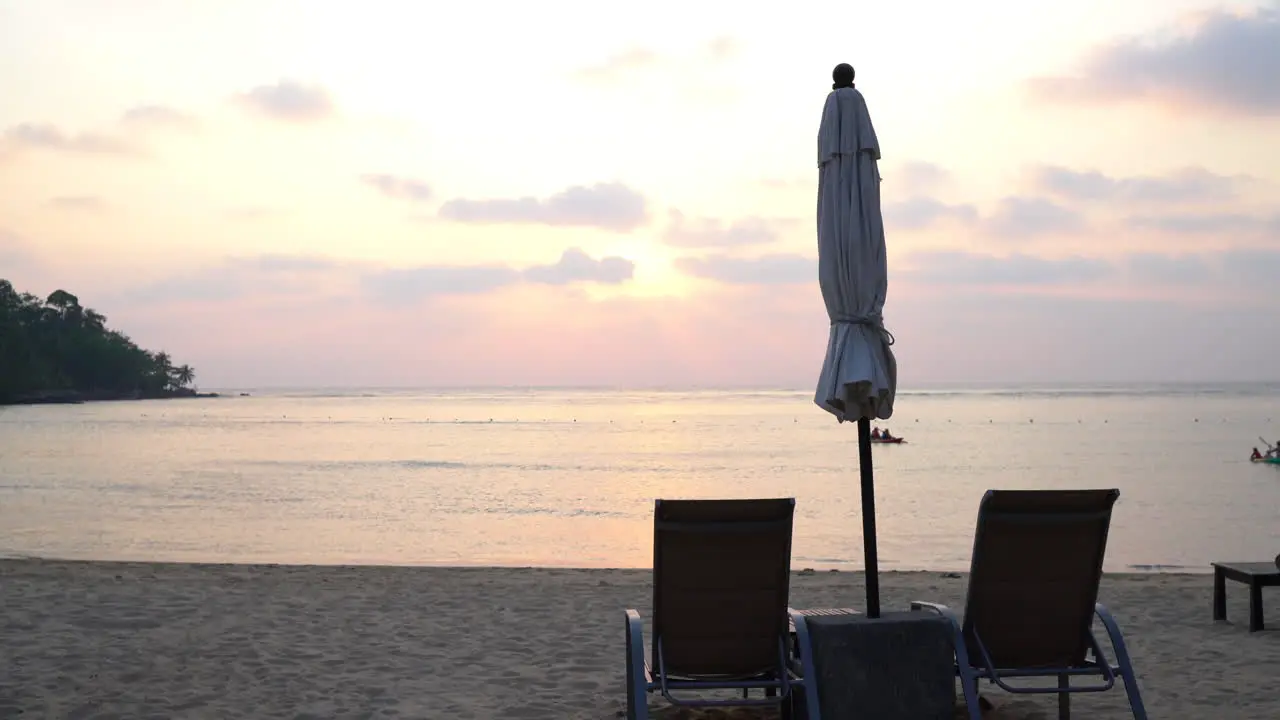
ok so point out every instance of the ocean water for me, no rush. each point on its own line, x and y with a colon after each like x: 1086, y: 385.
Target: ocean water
x: 568, y: 477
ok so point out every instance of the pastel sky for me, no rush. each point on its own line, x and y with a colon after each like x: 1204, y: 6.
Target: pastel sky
x: 303, y: 193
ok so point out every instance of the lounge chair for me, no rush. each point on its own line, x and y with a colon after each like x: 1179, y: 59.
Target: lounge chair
x: 721, y: 571
x: 1033, y: 591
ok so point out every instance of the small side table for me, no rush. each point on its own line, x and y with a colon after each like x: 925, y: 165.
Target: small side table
x: 820, y: 612
x: 1256, y: 575
x: 809, y: 613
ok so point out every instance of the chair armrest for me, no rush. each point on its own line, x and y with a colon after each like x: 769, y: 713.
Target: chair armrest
x: 938, y: 608
x: 635, y: 644
x: 963, y: 665
x: 806, y: 672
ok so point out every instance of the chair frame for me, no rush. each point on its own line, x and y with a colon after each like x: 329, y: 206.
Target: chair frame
x: 1095, y: 664
x: 645, y: 674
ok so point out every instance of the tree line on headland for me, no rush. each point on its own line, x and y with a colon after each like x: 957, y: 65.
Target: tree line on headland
x: 56, y: 350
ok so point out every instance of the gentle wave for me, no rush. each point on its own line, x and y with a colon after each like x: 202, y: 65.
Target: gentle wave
x: 798, y: 563
x: 325, y: 466
x: 1162, y: 568
x: 1252, y: 390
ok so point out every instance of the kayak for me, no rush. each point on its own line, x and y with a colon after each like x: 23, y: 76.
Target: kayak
x: 1268, y: 461
x: 890, y: 441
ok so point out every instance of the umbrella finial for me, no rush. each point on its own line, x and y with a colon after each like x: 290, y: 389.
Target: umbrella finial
x: 843, y: 76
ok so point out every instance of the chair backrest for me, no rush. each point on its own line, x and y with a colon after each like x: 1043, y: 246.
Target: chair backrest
x: 721, y: 572
x: 1033, y: 581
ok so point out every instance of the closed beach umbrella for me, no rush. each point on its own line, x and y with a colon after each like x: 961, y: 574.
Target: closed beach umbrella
x: 859, y: 375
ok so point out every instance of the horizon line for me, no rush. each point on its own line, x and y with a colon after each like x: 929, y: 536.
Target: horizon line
x: 693, y: 387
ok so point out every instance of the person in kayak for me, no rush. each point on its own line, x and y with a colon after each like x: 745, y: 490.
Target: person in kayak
x: 1256, y: 455
x: 885, y: 435
x: 875, y: 433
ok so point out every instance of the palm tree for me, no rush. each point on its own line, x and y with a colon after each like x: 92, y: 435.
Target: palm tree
x: 162, y: 369
x: 184, y: 375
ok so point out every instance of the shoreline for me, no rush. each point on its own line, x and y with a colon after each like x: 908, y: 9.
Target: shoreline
x: 75, y: 397
x: 1132, y: 571
x: 204, y: 640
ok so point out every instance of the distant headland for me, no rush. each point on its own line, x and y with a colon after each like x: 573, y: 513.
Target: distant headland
x: 57, y: 351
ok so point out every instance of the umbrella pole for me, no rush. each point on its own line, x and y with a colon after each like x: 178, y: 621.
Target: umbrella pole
x: 869, y: 518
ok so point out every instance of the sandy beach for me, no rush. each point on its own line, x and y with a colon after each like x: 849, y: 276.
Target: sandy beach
x: 142, y: 640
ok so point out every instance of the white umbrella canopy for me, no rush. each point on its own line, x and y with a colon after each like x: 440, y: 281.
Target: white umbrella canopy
x: 860, y: 374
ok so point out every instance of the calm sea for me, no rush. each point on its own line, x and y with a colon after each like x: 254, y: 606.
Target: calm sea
x: 568, y: 477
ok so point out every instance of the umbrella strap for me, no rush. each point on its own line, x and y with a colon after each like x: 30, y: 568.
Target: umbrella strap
x: 873, y: 324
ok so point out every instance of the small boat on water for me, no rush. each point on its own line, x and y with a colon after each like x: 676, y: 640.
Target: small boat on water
x: 890, y: 441
x: 1264, y: 460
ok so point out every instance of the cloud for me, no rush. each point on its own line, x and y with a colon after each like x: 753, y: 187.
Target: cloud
x: 903, y: 182
x: 1253, y: 267
x: 1029, y: 217
x: 267, y: 275
x: 1183, y: 223
x: 919, y: 177
x: 44, y: 136
x: 629, y: 63
x: 276, y: 262
x: 412, y: 284
x: 624, y: 62
x: 967, y: 332
x: 157, y: 116
x: 401, y: 188
x: 1161, y: 268
x: 958, y: 269
x: 1191, y: 184
x: 1227, y: 63
x: 253, y: 212
x: 1243, y: 273
x: 964, y: 268
x: 804, y: 182
x: 14, y: 254
x: 289, y: 101
x: 1058, y: 338
x: 314, y: 276
x: 1017, y: 272
x: 932, y: 268
x: 577, y: 266
x: 920, y: 212
x: 712, y: 233
x: 1055, y: 209
x: 37, y: 136
x: 609, y: 206
x: 1240, y: 272
x: 778, y: 269
x: 723, y: 48
x: 78, y: 202
x: 415, y: 283
x: 1062, y: 195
